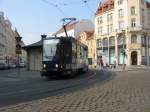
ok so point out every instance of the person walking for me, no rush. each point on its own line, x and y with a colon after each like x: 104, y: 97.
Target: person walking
x: 100, y: 62
x: 114, y: 64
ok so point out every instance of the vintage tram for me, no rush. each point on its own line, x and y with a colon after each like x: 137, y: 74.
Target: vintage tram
x: 63, y: 56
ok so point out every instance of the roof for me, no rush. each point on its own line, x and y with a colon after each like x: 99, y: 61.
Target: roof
x: 105, y: 6
x: 68, y: 27
x: 37, y: 44
x: 89, y: 34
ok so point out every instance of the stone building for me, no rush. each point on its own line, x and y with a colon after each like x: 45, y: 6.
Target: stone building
x: 7, y: 40
x: 87, y: 37
x: 122, y: 30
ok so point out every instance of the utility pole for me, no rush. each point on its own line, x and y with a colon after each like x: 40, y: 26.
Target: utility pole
x: 123, y: 49
x: 66, y: 21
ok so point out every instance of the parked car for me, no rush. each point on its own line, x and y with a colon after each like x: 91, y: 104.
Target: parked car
x: 3, y: 66
x: 21, y: 65
x: 12, y: 65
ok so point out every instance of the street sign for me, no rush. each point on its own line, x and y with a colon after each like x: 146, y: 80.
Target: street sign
x: 18, y: 49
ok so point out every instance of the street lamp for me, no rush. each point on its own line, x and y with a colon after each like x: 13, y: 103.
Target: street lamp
x: 123, y: 48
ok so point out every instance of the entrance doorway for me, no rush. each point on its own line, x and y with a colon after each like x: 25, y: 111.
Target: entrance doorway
x: 134, y: 58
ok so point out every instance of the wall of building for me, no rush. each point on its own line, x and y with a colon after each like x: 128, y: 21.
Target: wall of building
x: 141, y: 29
x: 34, y: 59
x: 7, y: 40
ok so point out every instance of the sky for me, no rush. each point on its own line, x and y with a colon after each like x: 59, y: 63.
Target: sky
x: 35, y: 17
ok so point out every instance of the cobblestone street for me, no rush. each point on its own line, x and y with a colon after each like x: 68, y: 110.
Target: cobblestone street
x: 125, y: 92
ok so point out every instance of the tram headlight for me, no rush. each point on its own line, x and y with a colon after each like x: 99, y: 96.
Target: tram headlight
x: 56, y: 65
x: 44, y: 65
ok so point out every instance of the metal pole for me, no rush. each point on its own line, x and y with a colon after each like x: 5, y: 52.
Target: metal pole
x: 123, y: 31
x: 18, y: 72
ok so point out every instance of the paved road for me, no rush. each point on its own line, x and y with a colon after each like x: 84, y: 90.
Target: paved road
x: 125, y: 92
x: 18, y: 86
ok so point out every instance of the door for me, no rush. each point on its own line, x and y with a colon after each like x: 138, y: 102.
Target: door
x: 134, y: 58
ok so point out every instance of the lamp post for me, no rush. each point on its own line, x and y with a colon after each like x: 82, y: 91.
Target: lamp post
x: 123, y: 48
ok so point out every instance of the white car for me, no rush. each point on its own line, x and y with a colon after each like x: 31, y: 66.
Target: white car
x: 3, y: 66
x: 22, y: 64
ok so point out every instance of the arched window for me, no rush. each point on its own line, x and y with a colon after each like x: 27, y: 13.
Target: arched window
x: 99, y: 43
x: 133, y: 10
x: 105, y: 42
x: 143, y: 39
x: 112, y: 41
x: 133, y: 39
x: 120, y: 40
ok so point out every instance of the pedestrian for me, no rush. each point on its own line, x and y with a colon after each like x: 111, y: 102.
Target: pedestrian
x: 100, y: 62
x: 114, y: 64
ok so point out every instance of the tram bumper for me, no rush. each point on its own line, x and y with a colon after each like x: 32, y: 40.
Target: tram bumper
x: 49, y: 72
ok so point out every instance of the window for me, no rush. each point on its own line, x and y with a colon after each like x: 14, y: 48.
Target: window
x: 133, y: 10
x: 133, y: 39
x: 99, y: 20
x: 143, y: 17
x: 143, y: 39
x: 112, y: 41
x: 110, y: 28
x: 109, y: 17
x: 121, y: 25
x: 121, y: 40
x: 142, y: 1
x: 143, y: 51
x: 120, y: 13
x: 133, y: 22
x: 100, y: 30
x: 120, y: 2
x: 107, y: 28
x: 99, y: 43
x: 105, y: 42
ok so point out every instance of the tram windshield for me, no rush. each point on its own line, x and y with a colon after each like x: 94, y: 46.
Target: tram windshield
x: 49, y: 49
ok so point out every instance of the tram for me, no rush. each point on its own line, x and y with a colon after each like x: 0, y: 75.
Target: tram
x: 63, y: 56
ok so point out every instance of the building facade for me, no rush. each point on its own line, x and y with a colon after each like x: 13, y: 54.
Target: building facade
x: 7, y: 40
x: 122, y: 30
x: 34, y: 56
x: 87, y: 37
x: 75, y: 28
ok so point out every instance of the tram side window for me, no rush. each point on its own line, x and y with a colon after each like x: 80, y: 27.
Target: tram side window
x: 67, y: 52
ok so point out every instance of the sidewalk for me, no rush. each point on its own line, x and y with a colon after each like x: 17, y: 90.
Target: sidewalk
x: 130, y: 68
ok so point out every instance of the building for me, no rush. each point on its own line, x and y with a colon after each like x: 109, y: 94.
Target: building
x: 7, y: 40
x: 123, y: 26
x: 2, y: 38
x: 34, y: 56
x: 74, y: 28
x: 87, y: 37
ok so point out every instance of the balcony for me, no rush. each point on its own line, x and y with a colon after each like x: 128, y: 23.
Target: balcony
x: 132, y: 29
x: 137, y: 29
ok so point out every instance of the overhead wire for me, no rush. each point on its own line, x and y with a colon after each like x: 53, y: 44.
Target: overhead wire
x: 56, y: 6
x: 87, y: 5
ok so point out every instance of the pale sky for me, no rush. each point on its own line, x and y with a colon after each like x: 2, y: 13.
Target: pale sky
x: 35, y: 17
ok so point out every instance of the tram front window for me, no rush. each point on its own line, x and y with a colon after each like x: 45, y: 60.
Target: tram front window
x: 50, y: 48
